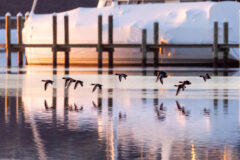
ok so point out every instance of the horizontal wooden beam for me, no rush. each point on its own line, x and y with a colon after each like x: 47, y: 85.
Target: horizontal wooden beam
x: 111, y: 46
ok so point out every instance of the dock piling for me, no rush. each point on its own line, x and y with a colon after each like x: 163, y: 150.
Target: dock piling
x: 144, y: 47
x: 99, y: 48
x: 215, y: 45
x: 8, y: 38
x: 54, y: 46
x: 110, y: 41
x: 19, y: 38
x: 225, y: 41
x: 155, y: 41
x: 66, y: 39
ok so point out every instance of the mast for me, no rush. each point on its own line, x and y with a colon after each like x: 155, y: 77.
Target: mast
x: 33, y: 7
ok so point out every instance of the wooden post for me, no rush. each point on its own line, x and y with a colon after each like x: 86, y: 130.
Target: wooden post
x: 8, y: 38
x: 26, y: 17
x: 54, y: 47
x: 155, y: 41
x: 225, y: 41
x: 66, y: 37
x: 215, y: 45
x: 110, y: 41
x: 100, y: 41
x: 19, y: 38
x: 144, y: 47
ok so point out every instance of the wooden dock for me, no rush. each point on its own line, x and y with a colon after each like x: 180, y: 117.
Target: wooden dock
x: 144, y: 47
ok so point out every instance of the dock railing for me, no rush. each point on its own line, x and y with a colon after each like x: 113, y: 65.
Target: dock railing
x: 144, y: 47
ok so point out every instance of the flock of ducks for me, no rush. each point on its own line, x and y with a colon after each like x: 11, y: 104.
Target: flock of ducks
x: 160, y: 75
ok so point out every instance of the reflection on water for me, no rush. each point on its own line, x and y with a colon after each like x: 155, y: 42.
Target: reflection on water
x: 134, y: 119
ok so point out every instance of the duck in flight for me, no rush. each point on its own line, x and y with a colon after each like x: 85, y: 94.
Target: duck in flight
x: 179, y: 87
x: 67, y: 79
x: 160, y: 75
x: 47, y: 82
x: 97, y: 85
x: 205, y: 77
x: 70, y: 82
x: 78, y: 82
x: 121, y: 75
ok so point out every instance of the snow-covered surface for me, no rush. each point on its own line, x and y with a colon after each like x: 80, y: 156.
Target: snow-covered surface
x: 178, y: 23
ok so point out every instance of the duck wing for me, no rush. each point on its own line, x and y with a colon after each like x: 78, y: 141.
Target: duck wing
x: 120, y: 78
x: 75, y: 86
x: 178, y: 90
x: 46, y: 84
x: 94, y: 88
x: 161, y: 79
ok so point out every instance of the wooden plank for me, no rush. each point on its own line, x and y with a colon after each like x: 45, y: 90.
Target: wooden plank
x: 144, y: 47
x: 155, y: 41
x: 100, y: 41
x: 66, y: 38
x: 225, y: 41
x: 19, y: 38
x: 54, y: 46
x: 8, y: 38
x: 215, y: 45
x: 110, y: 41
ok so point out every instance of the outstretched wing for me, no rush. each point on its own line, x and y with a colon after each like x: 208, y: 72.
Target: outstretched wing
x: 75, y: 86
x: 161, y: 79
x: 120, y: 78
x: 204, y: 78
x: 69, y: 83
x: 178, y: 90
x: 157, y: 78
x: 125, y: 76
x: 81, y: 83
x: 46, y: 85
x: 94, y: 88
x: 66, y: 82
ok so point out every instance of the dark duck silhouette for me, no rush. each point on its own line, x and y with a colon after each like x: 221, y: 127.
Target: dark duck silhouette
x: 78, y: 82
x: 97, y: 85
x: 160, y: 75
x: 121, y: 75
x: 67, y: 79
x: 179, y: 87
x: 187, y: 82
x: 70, y: 82
x: 205, y: 77
x: 47, y: 82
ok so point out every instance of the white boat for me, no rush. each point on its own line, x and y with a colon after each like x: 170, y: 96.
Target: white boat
x: 184, y: 23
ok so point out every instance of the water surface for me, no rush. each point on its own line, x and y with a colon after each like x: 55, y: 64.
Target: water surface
x: 38, y: 124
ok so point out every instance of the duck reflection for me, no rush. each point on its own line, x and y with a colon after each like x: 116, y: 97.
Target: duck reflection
x: 160, y: 112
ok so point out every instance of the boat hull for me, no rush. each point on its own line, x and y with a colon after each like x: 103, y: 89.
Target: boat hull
x: 180, y: 23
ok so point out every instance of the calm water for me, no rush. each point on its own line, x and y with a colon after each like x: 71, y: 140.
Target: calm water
x: 38, y: 124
